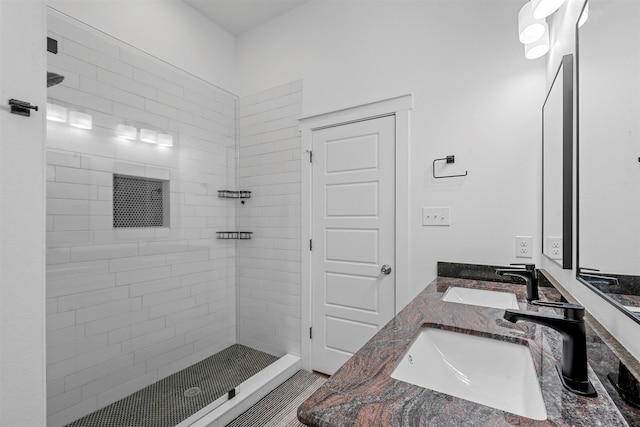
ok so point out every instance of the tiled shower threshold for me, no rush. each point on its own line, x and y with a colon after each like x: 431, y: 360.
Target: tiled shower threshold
x: 190, y: 397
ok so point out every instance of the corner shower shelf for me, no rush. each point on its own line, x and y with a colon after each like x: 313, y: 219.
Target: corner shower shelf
x: 229, y: 194
x: 239, y: 235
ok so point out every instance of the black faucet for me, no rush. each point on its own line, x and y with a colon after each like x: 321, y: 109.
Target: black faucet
x: 573, y: 369
x: 528, y: 273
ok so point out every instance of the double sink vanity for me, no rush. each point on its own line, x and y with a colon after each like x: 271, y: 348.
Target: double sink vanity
x: 463, y: 353
x: 450, y: 358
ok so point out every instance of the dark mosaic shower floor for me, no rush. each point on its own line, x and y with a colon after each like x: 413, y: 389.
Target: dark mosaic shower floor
x: 164, y: 404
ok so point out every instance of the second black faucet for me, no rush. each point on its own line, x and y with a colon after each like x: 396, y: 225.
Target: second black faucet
x: 573, y: 368
x: 528, y: 273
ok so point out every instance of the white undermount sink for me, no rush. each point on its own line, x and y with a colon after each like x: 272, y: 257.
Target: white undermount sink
x: 494, y: 373
x: 481, y: 297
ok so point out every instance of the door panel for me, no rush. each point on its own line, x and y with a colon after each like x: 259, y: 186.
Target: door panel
x: 351, y: 291
x: 353, y: 237
x: 352, y: 154
x: 347, y: 335
x: 357, y: 199
x: 352, y: 246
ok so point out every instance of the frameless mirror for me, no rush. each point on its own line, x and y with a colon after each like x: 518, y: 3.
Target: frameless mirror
x: 557, y: 166
x: 608, y: 47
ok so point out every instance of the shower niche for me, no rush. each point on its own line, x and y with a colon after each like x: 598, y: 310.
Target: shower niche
x: 140, y: 202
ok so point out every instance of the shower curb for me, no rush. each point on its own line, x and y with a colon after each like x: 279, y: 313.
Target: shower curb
x: 223, y: 411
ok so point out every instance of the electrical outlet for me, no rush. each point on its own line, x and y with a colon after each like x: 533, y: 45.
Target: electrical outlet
x: 554, y: 247
x: 524, y: 247
x: 436, y: 216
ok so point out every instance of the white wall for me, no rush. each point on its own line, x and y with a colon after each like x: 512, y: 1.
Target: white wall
x: 22, y: 290
x: 562, y: 29
x: 170, y: 30
x: 127, y: 307
x: 475, y: 97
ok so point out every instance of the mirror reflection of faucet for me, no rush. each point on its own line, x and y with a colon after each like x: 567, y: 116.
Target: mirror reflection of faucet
x: 573, y: 369
x: 600, y: 281
x: 528, y: 273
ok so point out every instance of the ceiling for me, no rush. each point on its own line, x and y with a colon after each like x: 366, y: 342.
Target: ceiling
x: 238, y: 16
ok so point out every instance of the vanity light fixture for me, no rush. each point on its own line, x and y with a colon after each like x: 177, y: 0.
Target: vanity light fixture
x: 127, y: 132
x: 165, y: 139
x: 538, y: 48
x: 149, y: 136
x: 530, y: 29
x: 80, y: 120
x: 543, y: 8
x: 56, y: 113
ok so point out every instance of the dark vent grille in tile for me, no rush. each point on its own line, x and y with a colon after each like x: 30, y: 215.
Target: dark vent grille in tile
x: 138, y: 202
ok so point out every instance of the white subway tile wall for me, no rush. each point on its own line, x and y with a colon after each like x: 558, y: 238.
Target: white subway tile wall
x: 269, y: 264
x: 128, y: 307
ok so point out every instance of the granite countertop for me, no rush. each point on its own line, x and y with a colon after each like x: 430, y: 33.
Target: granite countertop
x: 362, y: 392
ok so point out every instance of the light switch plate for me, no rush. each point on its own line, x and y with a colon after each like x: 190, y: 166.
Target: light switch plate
x: 436, y: 216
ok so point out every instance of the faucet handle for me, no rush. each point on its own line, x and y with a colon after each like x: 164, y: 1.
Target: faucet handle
x: 527, y: 266
x: 572, y: 311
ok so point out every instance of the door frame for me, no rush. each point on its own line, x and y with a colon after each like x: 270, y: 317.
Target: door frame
x: 399, y: 107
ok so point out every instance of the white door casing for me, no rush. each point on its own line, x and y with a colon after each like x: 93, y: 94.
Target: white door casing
x: 353, y: 237
x: 399, y: 107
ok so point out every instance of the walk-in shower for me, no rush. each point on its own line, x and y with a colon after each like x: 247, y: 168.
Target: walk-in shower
x: 152, y: 318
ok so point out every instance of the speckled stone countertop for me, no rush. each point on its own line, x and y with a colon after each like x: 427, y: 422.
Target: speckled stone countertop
x: 362, y: 392
x: 609, y: 360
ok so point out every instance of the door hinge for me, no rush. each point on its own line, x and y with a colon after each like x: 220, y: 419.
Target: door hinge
x: 310, y: 244
x: 310, y: 333
x: 310, y: 156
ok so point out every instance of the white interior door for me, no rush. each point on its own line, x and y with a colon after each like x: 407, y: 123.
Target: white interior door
x: 353, y: 255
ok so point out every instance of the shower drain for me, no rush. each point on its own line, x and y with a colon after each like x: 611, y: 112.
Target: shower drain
x: 193, y: 391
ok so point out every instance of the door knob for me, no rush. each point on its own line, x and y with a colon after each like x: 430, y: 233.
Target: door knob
x: 386, y: 269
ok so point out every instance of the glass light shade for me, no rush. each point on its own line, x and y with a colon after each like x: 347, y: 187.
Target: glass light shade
x: 529, y: 28
x: 165, y: 139
x: 538, y: 48
x: 543, y: 8
x: 148, y: 135
x: 127, y: 132
x: 80, y: 120
x: 56, y: 113
x: 584, y: 16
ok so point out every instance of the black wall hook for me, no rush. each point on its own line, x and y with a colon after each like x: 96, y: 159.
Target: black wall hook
x: 22, y: 108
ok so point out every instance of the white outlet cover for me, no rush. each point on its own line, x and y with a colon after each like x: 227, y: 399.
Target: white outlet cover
x: 436, y: 216
x: 554, y: 247
x: 524, y: 247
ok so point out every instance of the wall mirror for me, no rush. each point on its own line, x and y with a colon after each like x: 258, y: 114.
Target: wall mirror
x: 608, y: 49
x: 557, y: 166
